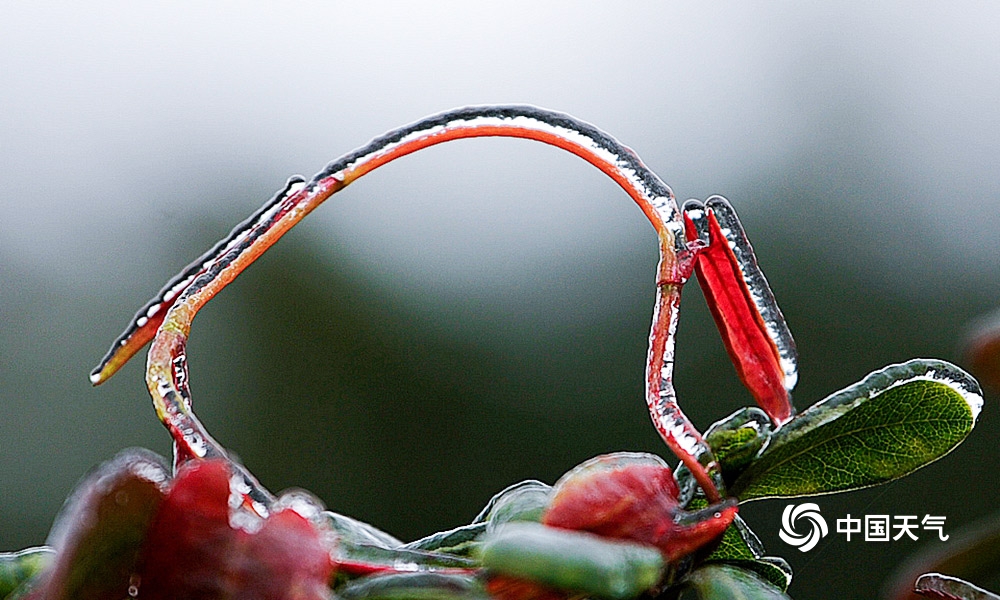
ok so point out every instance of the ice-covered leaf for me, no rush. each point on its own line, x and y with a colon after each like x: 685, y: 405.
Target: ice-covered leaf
x: 357, y: 532
x: 943, y: 587
x: 99, y: 532
x: 972, y: 553
x: 751, y: 325
x: 625, y: 495
x: 362, y: 549
x: 523, y: 501
x: 572, y: 560
x: 361, y: 559
x: 718, y: 581
x: 893, y: 422
x: 17, y: 568
x: 195, y: 550
x: 414, y: 586
x: 459, y: 541
x: 735, y: 442
x: 772, y: 569
x: 634, y: 496
x: 737, y: 439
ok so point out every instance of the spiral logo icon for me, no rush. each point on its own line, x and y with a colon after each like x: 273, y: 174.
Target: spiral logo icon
x: 808, y: 512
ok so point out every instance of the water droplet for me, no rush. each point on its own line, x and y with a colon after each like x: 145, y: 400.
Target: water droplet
x: 300, y: 501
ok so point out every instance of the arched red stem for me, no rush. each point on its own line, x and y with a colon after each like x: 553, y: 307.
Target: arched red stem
x: 174, y: 308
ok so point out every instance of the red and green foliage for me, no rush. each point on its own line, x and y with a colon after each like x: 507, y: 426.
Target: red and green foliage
x: 618, y: 526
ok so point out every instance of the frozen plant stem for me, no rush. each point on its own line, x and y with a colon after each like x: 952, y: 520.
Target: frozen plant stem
x: 166, y: 320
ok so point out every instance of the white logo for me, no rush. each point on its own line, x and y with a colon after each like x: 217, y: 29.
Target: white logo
x: 809, y: 512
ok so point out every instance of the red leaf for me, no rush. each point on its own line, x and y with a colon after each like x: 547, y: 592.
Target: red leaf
x: 98, y: 534
x: 193, y: 550
x: 633, y: 497
x: 752, y: 349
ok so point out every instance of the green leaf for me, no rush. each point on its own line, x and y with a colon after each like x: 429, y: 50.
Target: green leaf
x: 737, y: 439
x: 399, y: 559
x: 361, y: 543
x: 728, y: 582
x: 740, y: 547
x: 523, y: 501
x: 572, y: 560
x: 772, y: 569
x: 17, y: 568
x: 738, y: 543
x: 890, y: 424
x: 414, y: 586
x: 459, y: 541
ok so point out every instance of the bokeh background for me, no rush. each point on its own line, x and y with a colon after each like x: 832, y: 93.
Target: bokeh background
x: 440, y: 330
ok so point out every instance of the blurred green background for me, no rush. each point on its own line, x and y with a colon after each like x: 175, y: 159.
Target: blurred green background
x: 478, y: 314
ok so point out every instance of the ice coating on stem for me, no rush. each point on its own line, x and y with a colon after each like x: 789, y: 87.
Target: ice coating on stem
x: 600, y: 149
x: 670, y: 421
x: 147, y: 319
x: 177, y: 305
x: 652, y: 195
